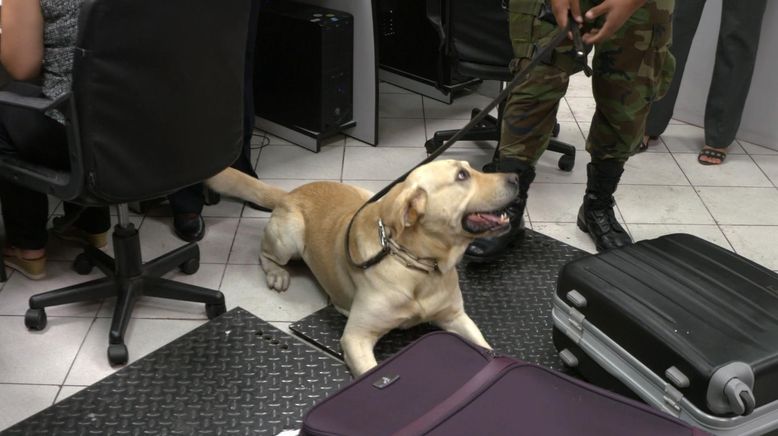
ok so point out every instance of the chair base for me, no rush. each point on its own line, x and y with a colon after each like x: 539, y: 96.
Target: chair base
x: 489, y: 130
x: 127, y: 279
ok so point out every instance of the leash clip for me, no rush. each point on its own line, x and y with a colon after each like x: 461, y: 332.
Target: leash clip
x: 382, y: 235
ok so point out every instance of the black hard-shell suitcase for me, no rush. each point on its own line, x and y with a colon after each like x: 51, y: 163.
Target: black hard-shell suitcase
x: 688, y: 326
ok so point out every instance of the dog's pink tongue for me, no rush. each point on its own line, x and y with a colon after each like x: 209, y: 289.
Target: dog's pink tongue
x: 485, y: 218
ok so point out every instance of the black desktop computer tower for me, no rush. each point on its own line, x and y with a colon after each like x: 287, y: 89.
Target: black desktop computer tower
x: 303, y: 70
x: 409, y: 43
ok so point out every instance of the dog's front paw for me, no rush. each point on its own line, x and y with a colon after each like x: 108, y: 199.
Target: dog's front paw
x: 278, y: 280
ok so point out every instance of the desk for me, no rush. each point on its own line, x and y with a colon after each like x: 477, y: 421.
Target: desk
x: 365, y: 78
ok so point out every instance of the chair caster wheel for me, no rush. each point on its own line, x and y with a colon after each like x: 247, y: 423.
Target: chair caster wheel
x: 118, y: 354
x: 566, y: 163
x: 555, y: 132
x: 190, y: 266
x: 35, y: 319
x: 432, y: 145
x: 83, y: 264
x: 214, y: 310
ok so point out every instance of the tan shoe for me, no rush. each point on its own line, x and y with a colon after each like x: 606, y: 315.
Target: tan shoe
x: 74, y: 234
x: 33, y: 269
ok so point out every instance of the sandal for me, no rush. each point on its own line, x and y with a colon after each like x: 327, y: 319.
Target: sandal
x: 643, y: 146
x: 33, y: 269
x: 713, y: 154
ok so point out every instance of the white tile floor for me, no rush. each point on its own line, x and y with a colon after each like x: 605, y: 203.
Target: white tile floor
x: 663, y: 191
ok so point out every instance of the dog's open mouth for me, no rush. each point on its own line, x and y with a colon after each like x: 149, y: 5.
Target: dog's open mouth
x: 482, y: 222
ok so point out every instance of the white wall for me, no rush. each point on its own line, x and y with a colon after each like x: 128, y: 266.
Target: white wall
x: 760, y: 117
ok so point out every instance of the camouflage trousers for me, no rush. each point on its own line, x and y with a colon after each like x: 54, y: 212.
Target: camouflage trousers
x: 630, y: 70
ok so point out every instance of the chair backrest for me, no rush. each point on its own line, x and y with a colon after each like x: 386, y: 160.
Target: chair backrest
x: 158, y: 89
x: 477, y: 37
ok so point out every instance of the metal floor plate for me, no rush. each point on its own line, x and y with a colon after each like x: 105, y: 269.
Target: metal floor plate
x: 234, y: 375
x: 510, y: 299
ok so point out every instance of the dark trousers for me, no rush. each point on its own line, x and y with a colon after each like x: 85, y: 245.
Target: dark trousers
x: 741, y: 22
x: 39, y: 139
x: 190, y: 199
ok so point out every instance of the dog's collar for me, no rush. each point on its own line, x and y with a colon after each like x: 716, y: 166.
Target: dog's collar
x: 390, y: 246
x: 410, y: 260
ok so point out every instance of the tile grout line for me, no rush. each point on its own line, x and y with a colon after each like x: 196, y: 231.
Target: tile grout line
x: 30, y: 384
x: 705, y: 205
x: 762, y: 170
x: 80, y: 348
x: 424, y: 118
x: 232, y: 243
x: 343, y: 160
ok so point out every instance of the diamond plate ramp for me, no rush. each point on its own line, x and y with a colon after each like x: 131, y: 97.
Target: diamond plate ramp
x: 233, y: 375
x: 510, y: 299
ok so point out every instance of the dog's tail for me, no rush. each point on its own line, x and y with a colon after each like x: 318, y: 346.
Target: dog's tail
x: 234, y: 183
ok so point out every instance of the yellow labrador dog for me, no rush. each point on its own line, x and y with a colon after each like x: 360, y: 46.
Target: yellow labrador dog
x: 427, y: 222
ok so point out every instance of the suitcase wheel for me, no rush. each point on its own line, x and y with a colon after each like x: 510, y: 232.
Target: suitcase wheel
x: 740, y: 397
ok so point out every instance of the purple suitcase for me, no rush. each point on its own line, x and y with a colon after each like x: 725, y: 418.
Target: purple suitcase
x: 443, y: 385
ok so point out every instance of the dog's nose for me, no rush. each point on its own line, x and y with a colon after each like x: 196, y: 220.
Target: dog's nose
x: 513, y: 178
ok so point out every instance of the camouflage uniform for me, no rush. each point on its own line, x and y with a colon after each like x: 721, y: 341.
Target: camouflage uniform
x: 631, y: 69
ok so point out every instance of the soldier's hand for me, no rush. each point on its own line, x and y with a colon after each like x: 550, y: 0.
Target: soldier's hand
x: 560, y: 9
x: 616, y: 12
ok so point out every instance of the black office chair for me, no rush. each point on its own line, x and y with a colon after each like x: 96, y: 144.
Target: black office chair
x: 156, y: 105
x: 476, y: 39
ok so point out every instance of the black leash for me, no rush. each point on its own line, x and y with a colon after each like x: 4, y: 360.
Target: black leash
x: 518, y: 78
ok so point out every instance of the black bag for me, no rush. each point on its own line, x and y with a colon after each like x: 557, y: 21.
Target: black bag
x: 688, y: 326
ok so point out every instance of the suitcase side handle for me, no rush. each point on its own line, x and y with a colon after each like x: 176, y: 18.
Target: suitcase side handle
x: 434, y: 416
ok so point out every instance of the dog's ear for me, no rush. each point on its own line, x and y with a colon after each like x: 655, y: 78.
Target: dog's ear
x: 414, y: 204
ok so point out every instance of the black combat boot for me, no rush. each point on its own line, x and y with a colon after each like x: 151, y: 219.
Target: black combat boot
x: 486, y: 249
x: 596, y: 214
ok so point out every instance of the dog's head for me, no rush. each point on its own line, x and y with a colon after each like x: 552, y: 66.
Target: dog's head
x: 454, y: 203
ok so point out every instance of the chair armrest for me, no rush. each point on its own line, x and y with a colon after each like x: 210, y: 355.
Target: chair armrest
x: 26, y: 96
x: 63, y: 184
x: 38, y: 178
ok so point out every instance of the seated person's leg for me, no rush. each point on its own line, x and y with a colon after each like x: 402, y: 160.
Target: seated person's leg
x: 39, y: 139
x: 25, y: 214
x: 89, y: 228
x: 187, y: 206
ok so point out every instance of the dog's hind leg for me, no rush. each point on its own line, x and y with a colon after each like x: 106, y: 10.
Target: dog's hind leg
x: 282, y: 241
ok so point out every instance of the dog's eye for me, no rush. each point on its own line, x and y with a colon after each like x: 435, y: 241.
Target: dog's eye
x: 463, y: 175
